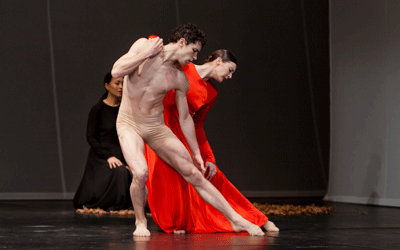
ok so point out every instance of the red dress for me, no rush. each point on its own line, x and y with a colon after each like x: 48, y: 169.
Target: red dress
x: 175, y: 204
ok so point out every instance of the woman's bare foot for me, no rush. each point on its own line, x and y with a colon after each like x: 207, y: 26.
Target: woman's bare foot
x: 270, y: 227
x: 179, y: 231
x: 141, y: 231
x: 245, y: 225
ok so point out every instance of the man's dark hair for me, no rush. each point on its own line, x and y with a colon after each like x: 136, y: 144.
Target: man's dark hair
x: 190, y: 32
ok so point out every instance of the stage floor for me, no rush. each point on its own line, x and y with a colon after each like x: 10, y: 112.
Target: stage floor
x: 55, y: 225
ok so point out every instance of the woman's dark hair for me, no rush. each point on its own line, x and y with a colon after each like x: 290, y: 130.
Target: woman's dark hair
x: 225, y: 55
x: 190, y: 32
x: 107, y: 79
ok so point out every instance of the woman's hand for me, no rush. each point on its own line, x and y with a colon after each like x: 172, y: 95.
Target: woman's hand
x: 211, y: 170
x: 113, y: 162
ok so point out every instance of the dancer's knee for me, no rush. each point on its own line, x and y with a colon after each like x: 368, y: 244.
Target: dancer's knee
x: 140, y: 177
x: 184, y: 165
x: 195, y: 177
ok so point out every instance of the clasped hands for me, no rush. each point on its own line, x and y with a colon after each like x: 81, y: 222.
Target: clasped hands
x: 208, y: 169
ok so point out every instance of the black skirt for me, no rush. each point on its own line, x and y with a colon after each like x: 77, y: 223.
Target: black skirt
x: 102, y: 187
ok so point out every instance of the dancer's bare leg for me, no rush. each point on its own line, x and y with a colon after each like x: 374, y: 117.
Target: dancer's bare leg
x: 270, y: 227
x: 212, y: 196
x: 177, y: 156
x: 133, y: 149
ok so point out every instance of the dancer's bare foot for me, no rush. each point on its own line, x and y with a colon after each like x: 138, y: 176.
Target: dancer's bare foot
x: 245, y: 225
x: 270, y: 227
x: 179, y: 231
x: 141, y: 231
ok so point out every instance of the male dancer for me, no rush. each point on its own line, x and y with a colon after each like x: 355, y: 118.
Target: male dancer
x: 140, y: 119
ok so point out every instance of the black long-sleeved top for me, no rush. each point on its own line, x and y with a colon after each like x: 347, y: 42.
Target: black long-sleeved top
x: 101, y: 133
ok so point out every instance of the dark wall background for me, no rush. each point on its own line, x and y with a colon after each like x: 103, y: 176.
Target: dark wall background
x: 269, y: 128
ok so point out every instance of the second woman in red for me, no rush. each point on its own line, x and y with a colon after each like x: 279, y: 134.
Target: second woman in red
x: 175, y: 205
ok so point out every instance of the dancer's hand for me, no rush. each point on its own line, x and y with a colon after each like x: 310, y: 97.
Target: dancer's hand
x: 211, y: 170
x: 152, y: 37
x: 113, y: 162
x: 198, y: 163
x: 154, y: 46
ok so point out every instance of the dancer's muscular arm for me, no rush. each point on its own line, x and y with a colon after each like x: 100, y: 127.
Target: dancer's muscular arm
x: 187, y: 126
x: 137, y: 54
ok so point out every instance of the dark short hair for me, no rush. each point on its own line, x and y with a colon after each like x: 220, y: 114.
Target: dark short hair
x: 225, y: 55
x: 190, y: 32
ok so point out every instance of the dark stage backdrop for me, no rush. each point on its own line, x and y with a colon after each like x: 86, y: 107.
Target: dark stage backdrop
x: 269, y: 128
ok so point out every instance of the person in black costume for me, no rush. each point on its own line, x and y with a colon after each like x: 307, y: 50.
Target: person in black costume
x: 106, y: 181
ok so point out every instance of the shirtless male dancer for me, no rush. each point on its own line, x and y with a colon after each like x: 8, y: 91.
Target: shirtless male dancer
x: 151, y: 70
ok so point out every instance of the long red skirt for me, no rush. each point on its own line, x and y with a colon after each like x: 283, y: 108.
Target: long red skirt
x: 175, y: 204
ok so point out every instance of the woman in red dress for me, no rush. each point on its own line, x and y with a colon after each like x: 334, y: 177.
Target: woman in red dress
x: 174, y: 204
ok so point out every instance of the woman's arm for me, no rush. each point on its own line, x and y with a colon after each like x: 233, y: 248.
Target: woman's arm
x: 93, y: 134
x: 198, y: 119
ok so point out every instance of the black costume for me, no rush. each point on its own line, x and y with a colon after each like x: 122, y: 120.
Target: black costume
x: 102, y: 187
